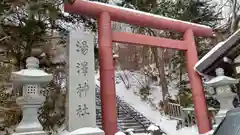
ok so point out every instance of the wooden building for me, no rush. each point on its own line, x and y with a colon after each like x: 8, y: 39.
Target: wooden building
x: 225, y: 55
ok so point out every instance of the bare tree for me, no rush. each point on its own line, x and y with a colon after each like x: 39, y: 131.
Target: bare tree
x: 235, y: 16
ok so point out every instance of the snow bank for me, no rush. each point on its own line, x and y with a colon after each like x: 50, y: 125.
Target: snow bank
x: 87, y: 130
x: 190, y: 131
x: 186, y: 131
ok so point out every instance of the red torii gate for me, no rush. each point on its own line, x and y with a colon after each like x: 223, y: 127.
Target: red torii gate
x: 105, y: 13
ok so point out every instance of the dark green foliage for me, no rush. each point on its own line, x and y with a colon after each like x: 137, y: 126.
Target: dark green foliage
x: 185, y: 94
x: 52, y: 113
x: 187, y: 10
x: 28, y: 24
x: 197, y: 11
x: 145, y: 92
x: 69, y: 1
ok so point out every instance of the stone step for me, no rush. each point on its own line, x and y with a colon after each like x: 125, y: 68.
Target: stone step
x: 136, y: 129
x: 125, y: 120
x: 131, y: 124
x: 139, y: 130
x: 121, y: 114
x: 129, y: 120
x: 124, y: 126
x: 120, y: 111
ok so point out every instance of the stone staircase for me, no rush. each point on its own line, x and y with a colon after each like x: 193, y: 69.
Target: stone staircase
x: 128, y: 117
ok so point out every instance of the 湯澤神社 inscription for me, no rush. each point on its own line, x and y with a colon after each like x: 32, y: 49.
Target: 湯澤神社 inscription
x: 82, y: 68
x: 81, y: 106
x: 82, y: 46
x: 82, y: 89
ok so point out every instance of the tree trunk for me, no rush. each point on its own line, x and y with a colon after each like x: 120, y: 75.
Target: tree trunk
x: 235, y: 19
x: 180, y: 77
x: 159, y: 59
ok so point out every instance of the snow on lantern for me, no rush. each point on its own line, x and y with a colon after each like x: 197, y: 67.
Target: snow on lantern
x: 223, y: 92
x: 31, y: 80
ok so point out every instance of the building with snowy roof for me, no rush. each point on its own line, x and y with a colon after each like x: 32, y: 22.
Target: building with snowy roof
x: 225, y: 55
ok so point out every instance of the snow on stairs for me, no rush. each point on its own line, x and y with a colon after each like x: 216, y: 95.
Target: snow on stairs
x: 128, y: 117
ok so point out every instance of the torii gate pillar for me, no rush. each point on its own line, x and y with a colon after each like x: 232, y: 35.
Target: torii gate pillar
x: 198, y: 95
x: 107, y: 79
x: 105, y: 13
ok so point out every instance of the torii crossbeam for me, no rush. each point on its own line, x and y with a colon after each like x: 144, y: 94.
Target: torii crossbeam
x: 105, y: 13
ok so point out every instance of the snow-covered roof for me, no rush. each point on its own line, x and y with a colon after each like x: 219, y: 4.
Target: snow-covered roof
x: 217, y: 53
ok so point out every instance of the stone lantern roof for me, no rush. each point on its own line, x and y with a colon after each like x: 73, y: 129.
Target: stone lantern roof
x: 32, y: 74
x: 221, y: 79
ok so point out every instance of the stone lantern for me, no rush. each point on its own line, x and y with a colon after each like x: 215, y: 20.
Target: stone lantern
x: 223, y: 92
x: 31, y: 80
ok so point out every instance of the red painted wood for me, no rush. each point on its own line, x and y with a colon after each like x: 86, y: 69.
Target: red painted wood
x: 201, y: 111
x: 94, y: 9
x: 138, y: 39
x: 107, y: 83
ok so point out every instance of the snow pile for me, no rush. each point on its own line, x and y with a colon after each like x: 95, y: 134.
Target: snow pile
x: 87, y: 130
x: 130, y: 131
x: 152, y: 128
x: 119, y: 133
x: 186, y: 131
x: 189, y: 131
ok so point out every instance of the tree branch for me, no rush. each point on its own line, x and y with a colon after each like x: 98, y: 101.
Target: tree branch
x: 4, y: 38
x: 234, y: 16
x: 218, y: 12
x: 6, y: 14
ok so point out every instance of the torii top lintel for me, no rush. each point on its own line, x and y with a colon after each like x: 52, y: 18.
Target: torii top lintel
x: 125, y: 15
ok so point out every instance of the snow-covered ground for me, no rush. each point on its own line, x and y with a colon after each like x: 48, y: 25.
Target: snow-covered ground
x: 149, y: 110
